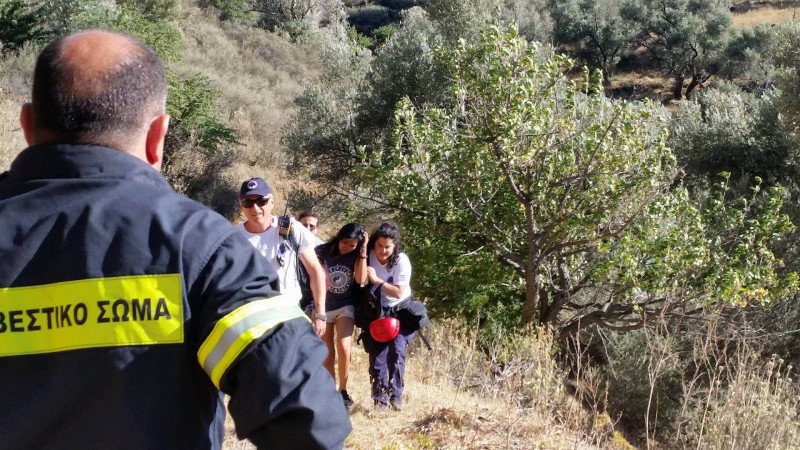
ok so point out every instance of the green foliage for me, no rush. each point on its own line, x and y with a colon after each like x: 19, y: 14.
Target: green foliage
x: 383, y: 33
x: 229, y: 9
x: 359, y: 39
x: 295, y: 16
x: 404, y: 66
x: 572, y: 192
x: 645, y: 374
x: 594, y: 30
x: 196, y: 149
x: 369, y: 18
x: 191, y: 106
x: 60, y: 17
x: 161, y: 35
x: 733, y: 132
x: 462, y: 19
x: 786, y: 52
x: 471, y: 285
x: 750, y: 53
x: 18, y: 25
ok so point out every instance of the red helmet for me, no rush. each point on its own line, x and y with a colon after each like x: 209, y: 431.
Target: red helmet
x: 384, y: 329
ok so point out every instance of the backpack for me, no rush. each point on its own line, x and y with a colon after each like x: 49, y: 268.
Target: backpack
x: 285, y: 224
x: 412, y: 314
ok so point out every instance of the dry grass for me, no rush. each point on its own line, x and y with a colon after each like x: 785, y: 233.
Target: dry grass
x: 458, y: 398
x: 11, y: 139
x: 259, y: 74
x: 766, y: 15
x: 15, y: 77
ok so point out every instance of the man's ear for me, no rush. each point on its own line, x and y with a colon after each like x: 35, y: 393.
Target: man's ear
x: 154, y: 144
x: 26, y: 121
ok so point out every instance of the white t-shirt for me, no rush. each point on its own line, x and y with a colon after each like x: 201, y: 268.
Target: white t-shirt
x: 270, y: 244
x: 399, y: 275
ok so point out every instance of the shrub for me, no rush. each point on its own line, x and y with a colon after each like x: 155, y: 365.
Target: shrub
x: 194, y: 130
x: 733, y: 132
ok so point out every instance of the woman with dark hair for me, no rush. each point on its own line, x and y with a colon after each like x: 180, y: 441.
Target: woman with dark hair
x: 389, y: 270
x: 345, y: 257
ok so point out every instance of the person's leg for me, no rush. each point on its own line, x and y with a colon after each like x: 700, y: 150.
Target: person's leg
x: 327, y: 337
x: 379, y: 372
x: 344, y: 339
x: 397, y: 366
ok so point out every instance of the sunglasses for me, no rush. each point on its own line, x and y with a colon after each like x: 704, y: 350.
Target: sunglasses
x: 248, y: 203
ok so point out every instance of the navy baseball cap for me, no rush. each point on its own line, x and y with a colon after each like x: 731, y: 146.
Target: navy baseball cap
x: 255, y: 186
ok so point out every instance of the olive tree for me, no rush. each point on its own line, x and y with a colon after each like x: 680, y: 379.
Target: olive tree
x: 324, y: 136
x: 573, y: 192
x: 687, y: 39
x: 404, y: 66
x: 594, y: 29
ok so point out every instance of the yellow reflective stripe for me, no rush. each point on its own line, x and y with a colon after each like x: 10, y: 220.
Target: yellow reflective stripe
x: 234, y: 332
x: 91, y: 313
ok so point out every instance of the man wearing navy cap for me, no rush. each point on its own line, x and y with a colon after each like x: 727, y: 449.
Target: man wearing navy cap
x: 263, y: 231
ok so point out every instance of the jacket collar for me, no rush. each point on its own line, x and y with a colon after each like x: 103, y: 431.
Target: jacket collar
x: 81, y: 161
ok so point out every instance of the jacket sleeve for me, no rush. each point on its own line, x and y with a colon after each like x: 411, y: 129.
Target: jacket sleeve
x: 303, y: 410
x: 260, y: 348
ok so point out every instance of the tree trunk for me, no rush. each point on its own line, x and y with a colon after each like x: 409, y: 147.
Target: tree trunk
x: 692, y: 84
x: 677, y: 89
x: 530, y: 308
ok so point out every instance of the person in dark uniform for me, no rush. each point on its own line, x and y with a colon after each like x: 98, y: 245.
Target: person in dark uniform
x: 125, y: 308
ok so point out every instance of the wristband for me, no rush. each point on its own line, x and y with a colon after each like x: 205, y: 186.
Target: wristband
x: 321, y: 316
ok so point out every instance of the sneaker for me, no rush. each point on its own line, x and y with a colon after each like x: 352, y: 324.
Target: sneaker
x: 348, y: 401
x: 397, y: 404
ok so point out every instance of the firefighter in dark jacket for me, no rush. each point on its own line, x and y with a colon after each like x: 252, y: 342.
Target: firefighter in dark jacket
x: 126, y: 308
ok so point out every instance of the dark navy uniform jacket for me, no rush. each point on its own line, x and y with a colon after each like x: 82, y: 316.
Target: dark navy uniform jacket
x: 125, y: 307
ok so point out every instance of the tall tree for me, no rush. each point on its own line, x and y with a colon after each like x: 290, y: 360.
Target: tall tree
x: 572, y: 191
